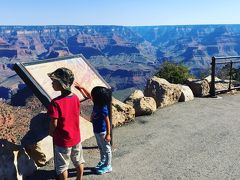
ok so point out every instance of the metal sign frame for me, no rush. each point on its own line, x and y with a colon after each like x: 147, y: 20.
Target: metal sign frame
x: 38, y: 90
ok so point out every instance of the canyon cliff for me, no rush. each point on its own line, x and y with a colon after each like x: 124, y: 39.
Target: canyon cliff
x: 124, y: 56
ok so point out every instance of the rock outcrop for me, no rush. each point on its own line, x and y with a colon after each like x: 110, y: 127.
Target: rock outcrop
x: 163, y: 92
x: 186, y: 95
x: 220, y: 85
x: 15, y: 163
x: 142, y: 105
x: 121, y: 113
x: 199, y: 87
x: 15, y: 123
x: 137, y: 94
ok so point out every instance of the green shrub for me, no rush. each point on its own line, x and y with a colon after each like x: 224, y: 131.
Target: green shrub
x: 173, y: 73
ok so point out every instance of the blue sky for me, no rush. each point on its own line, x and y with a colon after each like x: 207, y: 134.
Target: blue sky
x: 119, y: 12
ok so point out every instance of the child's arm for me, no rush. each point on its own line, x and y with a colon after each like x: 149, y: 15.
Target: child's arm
x: 53, y: 125
x: 84, y: 92
x: 108, y: 135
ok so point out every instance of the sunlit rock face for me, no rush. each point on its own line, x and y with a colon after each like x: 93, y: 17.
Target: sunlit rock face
x: 121, y: 113
x: 163, y: 92
x: 186, y: 94
x: 142, y: 105
x: 199, y: 87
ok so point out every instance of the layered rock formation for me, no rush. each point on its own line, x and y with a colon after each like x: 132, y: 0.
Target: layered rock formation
x: 125, y: 56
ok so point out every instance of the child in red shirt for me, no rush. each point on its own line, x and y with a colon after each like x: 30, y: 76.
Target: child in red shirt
x: 64, y: 112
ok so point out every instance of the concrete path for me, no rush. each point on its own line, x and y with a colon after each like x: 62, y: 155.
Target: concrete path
x: 192, y: 140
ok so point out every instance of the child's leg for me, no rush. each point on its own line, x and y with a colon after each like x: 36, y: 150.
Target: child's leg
x: 63, y: 175
x: 106, y: 148
x: 77, y: 159
x: 80, y: 170
x: 108, y: 153
x: 61, y: 160
x: 99, y: 138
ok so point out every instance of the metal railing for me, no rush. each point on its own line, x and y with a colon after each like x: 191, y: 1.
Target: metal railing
x: 223, y: 60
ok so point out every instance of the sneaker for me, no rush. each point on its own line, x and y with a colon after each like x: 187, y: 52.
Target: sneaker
x: 104, y: 169
x: 99, y: 165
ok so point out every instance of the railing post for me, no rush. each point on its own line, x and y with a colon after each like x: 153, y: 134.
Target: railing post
x: 230, y: 73
x: 212, y: 87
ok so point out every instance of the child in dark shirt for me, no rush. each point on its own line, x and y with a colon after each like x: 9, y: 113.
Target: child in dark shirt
x: 101, y: 98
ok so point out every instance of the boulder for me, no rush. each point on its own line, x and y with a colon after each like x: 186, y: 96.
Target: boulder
x: 15, y: 163
x: 121, y: 113
x: 209, y: 79
x: 199, y: 87
x: 186, y: 94
x: 220, y: 85
x: 137, y: 94
x: 145, y: 106
x: 142, y: 105
x: 25, y: 165
x: 163, y: 92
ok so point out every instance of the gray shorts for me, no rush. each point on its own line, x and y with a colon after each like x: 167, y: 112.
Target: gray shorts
x: 62, y: 157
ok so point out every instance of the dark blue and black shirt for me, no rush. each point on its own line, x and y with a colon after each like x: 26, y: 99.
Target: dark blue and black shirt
x: 98, y: 118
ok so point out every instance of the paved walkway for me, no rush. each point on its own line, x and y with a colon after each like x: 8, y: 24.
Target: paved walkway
x: 199, y: 139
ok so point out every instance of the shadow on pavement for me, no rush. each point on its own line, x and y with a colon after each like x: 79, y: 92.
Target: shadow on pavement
x: 87, y: 171
x: 91, y: 147
x: 50, y: 174
x: 43, y: 175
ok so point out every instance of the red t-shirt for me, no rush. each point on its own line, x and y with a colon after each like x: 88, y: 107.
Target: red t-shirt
x: 67, y: 110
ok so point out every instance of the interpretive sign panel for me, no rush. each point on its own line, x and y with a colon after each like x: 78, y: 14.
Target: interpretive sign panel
x: 35, y: 75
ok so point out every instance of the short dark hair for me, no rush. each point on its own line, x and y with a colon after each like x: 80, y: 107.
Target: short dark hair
x: 101, y: 96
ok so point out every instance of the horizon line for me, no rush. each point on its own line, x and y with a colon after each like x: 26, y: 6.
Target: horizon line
x: 42, y: 25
